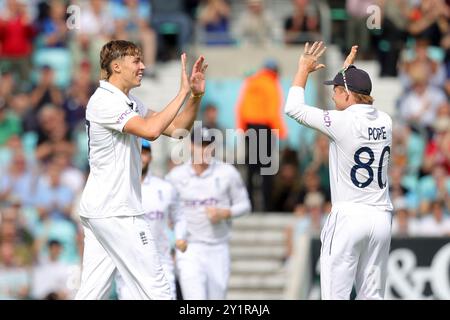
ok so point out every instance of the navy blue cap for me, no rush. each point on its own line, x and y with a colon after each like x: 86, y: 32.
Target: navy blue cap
x: 357, y: 80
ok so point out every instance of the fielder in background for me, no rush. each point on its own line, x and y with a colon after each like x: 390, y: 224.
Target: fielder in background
x: 356, y: 237
x: 116, y: 235
x: 212, y: 193
x: 161, y: 205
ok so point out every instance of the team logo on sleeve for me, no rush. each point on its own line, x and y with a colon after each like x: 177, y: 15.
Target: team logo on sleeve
x: 123, y: 115
x: 327, y: 118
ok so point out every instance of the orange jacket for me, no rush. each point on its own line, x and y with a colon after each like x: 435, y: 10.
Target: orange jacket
x: 260, y: 102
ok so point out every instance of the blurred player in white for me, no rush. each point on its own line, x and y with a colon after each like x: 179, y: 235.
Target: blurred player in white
x: 116, y: 236
x: 212, y: 193
x: 357, y: 234
x: 161, y: 206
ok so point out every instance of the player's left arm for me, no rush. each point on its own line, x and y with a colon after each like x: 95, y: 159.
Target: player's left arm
x: 183, y: 122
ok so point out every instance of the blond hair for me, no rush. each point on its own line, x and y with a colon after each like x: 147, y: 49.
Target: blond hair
x: 363, y: 98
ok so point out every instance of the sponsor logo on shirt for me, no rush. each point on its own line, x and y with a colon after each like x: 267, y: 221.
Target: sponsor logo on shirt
x: 327, y: 118
x: 155, y: 215
x: 195, y: 203
x: 123, y: 115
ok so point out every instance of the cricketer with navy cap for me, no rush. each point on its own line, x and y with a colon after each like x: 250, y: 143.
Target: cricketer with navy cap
x: 356, y: 237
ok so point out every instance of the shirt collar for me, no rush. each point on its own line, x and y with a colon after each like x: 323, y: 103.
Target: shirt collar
x: 366, y: 108
x: 113, y: 89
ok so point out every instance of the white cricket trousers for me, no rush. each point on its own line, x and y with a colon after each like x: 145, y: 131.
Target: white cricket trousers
x: 122, y: 244
x: 355, y: 250
x: 204, y: 270
x: 168, y: 266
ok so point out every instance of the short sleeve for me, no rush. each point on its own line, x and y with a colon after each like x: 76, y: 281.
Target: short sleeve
x: 111, y: 114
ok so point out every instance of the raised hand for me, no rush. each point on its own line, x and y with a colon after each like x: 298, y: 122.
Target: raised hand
x: 184, y: 84
x: 197, y: 81
x: 351, y: 57
x: 308, y: 60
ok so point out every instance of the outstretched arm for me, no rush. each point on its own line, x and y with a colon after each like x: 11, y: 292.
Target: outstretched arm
x: 326, y: 121
x: 153, y: 126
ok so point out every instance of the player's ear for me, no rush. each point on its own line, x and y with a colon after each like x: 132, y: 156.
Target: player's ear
x: 116, y: 66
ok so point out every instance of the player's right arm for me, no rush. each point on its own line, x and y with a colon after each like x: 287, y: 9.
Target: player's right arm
x: 150, y: 128
x: 328, y: 122
x: 168, y: 120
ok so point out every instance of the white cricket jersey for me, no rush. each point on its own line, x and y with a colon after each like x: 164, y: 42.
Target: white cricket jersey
x: 113, y: 187
x: 360, y: 146
x: 220, y: 186
x: 161, y: 206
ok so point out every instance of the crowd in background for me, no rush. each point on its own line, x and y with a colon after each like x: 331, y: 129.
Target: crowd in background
x: 49, y: 68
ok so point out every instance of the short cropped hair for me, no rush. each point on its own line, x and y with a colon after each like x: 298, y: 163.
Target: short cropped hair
x: 113, y: 50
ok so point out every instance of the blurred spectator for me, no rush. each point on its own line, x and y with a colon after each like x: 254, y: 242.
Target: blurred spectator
x: 319, y: 162
x: 255, y: 26
x: 420, y: 56
x: 409, y: 149
x: 170, y: 20
x: 19, y: 181
x: 14, y: 277
x: 429, y: 20
x: 436, y: 223
x: 10, y: 124
x: 402, y: 189
x: 432, y: 187
x: 132, y: 22
x: 96, y: 28
x: 356, y: 26
x: 52, y: 276
x: 77, y: 96
x: 311, y: 183
x: 214, y: 21
x: 71, y: 177
x: 403, y: 223
x: 393, y: 34
x: 309, y: 219
x: 437, y: 151
x: 54, y: 199
x: 258, y: 111
x: 303, y: 24
x: 54, y: 134
x: 7, y: 85
x: 16, y: 40
x: 286, y: 188
x: 64, y: 231
x: 45, y: 92
x: 210, y: 117
x: 53, y: 29
x: 419, y: 106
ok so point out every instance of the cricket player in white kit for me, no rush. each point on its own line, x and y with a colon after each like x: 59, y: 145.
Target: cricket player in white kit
x: 116, y: 236
x: 161, y: 205
x: 357, y: 234
x: 212, y: 193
